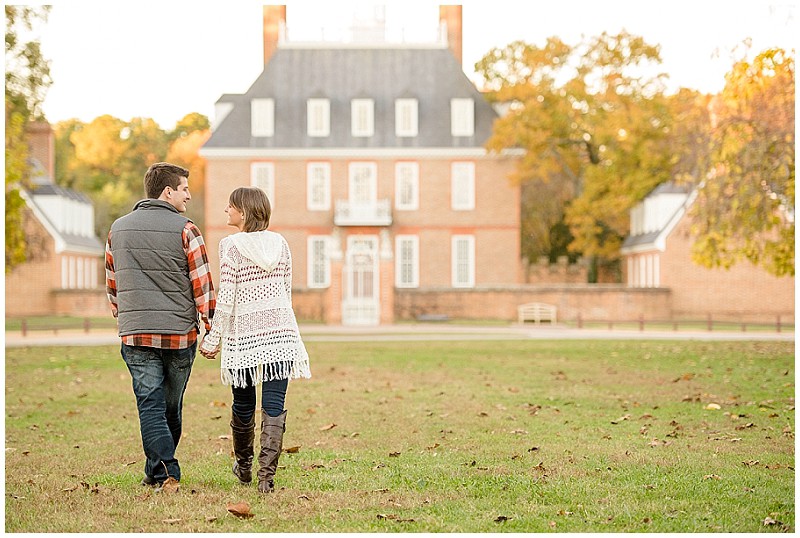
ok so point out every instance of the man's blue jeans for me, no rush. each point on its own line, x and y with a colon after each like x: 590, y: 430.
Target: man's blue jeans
x: 159, y: 381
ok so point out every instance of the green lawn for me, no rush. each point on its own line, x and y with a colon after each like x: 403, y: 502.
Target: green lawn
x: 517, y: 436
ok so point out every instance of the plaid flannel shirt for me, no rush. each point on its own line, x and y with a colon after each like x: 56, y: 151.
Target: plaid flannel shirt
x: 202, y: 288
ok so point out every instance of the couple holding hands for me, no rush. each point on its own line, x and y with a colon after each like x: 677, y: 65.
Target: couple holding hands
x: 158, y: 282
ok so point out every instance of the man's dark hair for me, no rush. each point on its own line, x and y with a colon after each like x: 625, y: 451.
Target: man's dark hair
x: 161, y: 175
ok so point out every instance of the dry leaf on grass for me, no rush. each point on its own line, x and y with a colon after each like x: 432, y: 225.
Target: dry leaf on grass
x: 171, y: 521
x: 502, y: 519
x: 292, y: 449
x: 328, y: 427
x: 240, y: 509
x: 170, y: 485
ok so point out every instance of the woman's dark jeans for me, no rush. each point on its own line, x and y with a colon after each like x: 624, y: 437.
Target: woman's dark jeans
x: 159, y: 380
x: 273, y: 396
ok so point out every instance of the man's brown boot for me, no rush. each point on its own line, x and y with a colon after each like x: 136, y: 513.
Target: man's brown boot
x: 243, y: 437
x: 272, y: 429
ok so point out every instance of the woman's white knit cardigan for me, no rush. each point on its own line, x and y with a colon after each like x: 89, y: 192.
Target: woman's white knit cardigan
x: 254, y: 318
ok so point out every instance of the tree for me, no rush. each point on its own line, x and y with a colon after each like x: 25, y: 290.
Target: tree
x: 592, y: 123
x: 185, y: 151
x: 27, y: 79
x: 107, y: 159
x: 745, y: 206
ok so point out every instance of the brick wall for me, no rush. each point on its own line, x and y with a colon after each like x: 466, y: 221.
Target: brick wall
x: 81, y: 303
x: 562, y: 272
x: 743, y: 292
x: 28, y: 286
x: 592, y: 301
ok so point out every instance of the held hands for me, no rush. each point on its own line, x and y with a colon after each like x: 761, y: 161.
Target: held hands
x: 211, y: 355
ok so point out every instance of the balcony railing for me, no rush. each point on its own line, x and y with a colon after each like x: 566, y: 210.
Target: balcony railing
x: 350, y: 213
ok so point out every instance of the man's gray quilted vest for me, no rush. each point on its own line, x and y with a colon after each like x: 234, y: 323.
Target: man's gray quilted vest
x: 154, y: 290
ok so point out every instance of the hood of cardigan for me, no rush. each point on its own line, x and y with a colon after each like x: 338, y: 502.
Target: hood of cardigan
x: 262, y: 248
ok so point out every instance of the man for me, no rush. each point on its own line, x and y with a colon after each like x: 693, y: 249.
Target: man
x: 158, y: 281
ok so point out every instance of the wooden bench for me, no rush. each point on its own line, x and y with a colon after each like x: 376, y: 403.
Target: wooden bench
x: 536, y: 312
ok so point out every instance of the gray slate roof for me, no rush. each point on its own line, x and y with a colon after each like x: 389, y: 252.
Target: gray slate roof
x: 293, y: 75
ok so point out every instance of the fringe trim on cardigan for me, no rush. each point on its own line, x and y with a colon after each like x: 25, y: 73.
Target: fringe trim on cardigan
x: 266, y: 372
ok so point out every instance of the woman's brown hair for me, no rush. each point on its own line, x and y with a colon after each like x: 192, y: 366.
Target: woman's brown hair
x: 254, y: 205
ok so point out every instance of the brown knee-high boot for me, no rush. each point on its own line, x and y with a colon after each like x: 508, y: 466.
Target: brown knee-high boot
x: 272, y: 429
x: 243, y: 438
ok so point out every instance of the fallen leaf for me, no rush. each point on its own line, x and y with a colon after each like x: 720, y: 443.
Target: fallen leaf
x: 533, y: 449
x: 519, y: 432
x: 551, y: 524
x: 211, y: 519
x: 750, y: 463
x: 128, y: 464
x: 712, y: 407
x: 224, y: 437
x: 620, y: 419
x: 292, y: 449
x: 304, y: 497
x: 711, y: 477
x: 171, y: 521
x: 433, y: 446
x: 394, y: 454
x: 217, y: 403
x: 240, y: 509
x: 769, y: 521
x: 73, y: 488
x: 170, y: 485
x: 328, y: 427
x: 502, y: 519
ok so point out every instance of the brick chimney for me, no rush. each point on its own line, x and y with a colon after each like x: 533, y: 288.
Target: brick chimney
x: 451, y: 16
x: 274, y: 22
x: 42, y: 146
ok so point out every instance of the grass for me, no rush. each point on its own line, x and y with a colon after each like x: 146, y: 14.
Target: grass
x: 516, y: 436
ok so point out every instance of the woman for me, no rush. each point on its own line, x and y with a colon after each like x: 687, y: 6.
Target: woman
x: 256, y: 329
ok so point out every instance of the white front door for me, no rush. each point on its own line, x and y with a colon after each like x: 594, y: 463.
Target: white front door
x: 360, y: 286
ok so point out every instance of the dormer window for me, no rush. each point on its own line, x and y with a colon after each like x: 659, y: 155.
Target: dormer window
x: 405, y: 117
x: 319, y: 117
x: 362, y: 114
x: 262, y: 117
x: 462, y: 117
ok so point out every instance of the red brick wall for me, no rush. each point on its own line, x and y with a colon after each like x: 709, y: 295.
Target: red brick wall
x: 28, y: 286
x: 743, y: 292
x: 81, y: 303
x: 592, y: 301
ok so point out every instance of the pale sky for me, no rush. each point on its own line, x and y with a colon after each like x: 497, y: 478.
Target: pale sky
x: 163, y: 60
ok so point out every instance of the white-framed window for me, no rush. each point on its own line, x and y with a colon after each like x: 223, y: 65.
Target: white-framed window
x: 406, y: 117
x: 319, y: 117
x: 262, y: 117
x: 406, y: 259
x: 463, y: 261
x: 363, y: 183
x: 64, y: 272
x: 319, y: 262
x: 72, y: 273
x: 319, y: 186
x: 262, y: 175
x: 462, y: 186
x: 406, y: 186
x: 79, y: 273
x: 362, y: 117
x: 462, y: 117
